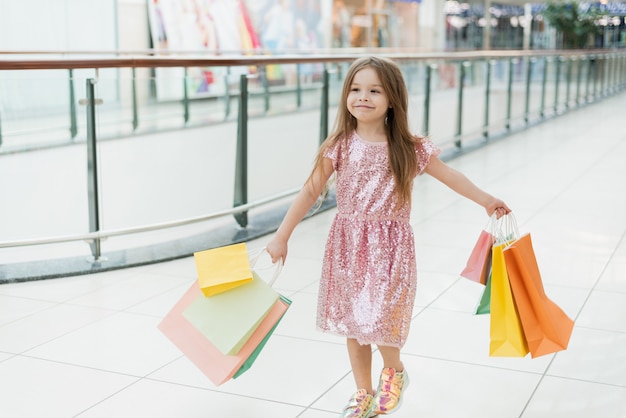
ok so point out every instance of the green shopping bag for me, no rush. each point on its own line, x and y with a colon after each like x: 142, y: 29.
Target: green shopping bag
x: 202, y: 353
x: 250, y: 361
x: 485, y: 300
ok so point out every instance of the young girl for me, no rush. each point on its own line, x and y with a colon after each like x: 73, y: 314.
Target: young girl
x: 369, y: 274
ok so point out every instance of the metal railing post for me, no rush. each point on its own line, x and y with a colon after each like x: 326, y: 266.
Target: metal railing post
x: 579, y: 75
x: 459, y: 113
x: 73, y: 123
x: 556, y: 84
x: 613, y: 73
x: 427, y: 87
x: 604, y: 81
x: 568, y: 80
x: 509, y: 94
x: 134, y: 99
x: 266, y: 91
x: 603, y: 77
x: 529, y: 70
x: 618, y: 74
x: 487, y: 97
x: 227, y: 93
x: 544, y: 82
x: 324, y: 106
x: 622, y: 71
x: 597, y: 81
x: 298, y: 87
x: 92, y: 170
x: 185, y: 97
x: 241, y: 158
x: 589, y: 79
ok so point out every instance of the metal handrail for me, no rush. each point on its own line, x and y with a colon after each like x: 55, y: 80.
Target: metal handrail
x: 188, y: 60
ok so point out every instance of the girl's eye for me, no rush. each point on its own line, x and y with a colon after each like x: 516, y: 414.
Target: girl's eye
x: 374, y: 91
x: 354, y: 89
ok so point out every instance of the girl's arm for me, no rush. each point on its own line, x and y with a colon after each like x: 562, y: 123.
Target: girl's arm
x: 304, y: 201
x: 457, y: 181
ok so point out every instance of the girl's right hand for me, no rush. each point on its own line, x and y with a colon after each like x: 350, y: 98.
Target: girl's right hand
x: 277, y: 249
x: 497, y: 207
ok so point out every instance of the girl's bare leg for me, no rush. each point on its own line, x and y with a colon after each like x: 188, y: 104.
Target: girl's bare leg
x: 391, y: 358
x: 361, y: 362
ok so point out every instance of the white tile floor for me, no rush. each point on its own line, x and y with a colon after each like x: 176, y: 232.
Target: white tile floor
x: 89, y: 346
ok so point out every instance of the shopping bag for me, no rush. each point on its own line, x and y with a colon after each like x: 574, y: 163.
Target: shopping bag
x: 218, y: 367
x: 484, y: 304
x: 479, y: 262
x: 546, y: 327
x: 252, y: 358
x: 229, y: 318
x: 506, y: 336
x: 224, y: 268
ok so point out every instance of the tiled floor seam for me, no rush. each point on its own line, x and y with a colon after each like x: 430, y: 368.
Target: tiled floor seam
x: 593, y: 288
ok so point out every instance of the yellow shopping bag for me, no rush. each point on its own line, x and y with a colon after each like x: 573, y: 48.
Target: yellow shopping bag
x: 224, y: 268
x: 506, y: 334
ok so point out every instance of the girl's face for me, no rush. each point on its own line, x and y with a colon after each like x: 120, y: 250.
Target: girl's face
x: 367, y: 101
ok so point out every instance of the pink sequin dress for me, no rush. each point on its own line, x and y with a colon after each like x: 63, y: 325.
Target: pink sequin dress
x: 369, y: 274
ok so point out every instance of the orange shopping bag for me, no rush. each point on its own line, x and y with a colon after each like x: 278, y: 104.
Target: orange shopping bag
x: 546, y: 327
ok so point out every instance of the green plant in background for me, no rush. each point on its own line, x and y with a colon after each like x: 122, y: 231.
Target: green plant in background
x: 576, y: 23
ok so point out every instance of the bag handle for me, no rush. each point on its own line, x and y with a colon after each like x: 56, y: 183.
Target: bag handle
x: 504, y: 229
x: 278, y: 266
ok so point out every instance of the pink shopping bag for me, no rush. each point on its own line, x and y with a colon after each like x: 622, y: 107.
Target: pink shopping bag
x: 218, y: 367
x: 479, y: 262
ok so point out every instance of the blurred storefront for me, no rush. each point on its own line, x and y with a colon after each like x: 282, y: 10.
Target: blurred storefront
x: 375, y: 23
x: 301, y: 26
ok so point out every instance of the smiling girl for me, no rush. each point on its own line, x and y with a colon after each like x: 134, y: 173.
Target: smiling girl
x: 369, y: 273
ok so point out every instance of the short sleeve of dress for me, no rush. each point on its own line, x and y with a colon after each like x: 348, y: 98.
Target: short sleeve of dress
x: 334, y: 154
x: 425, y: 149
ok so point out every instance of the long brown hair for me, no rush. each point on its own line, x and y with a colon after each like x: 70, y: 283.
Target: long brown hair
x: 401, y: 142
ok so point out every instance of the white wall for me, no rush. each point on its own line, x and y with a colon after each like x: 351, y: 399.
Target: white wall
x: 133, y: 35
x: 46, y: 25
x: 53, y: 25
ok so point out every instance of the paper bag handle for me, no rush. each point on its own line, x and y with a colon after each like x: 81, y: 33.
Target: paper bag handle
x: 504, y: 229
x: 278, y: 266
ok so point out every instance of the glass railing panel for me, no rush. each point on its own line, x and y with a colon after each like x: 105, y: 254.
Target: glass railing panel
x: 444, y: 80
x: 535, y: 85
x: 184, y: 174
x: 474, y: 99
x: 336, y: 78
x: 281, y: 152
x: 44, y: 194
x: 498, y: 100
x: 518, y: 92
x: 550, y: 84
x: 34, y: 108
